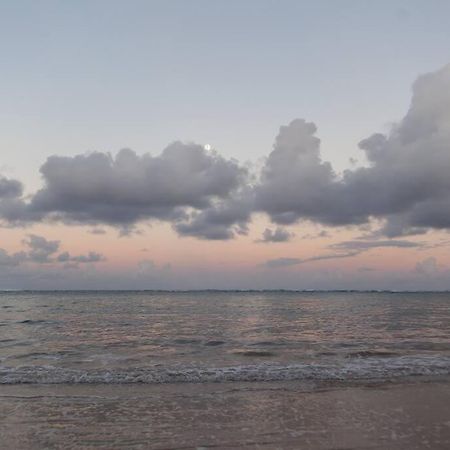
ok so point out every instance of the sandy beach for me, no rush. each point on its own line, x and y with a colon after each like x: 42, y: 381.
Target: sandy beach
x: 412, y: 415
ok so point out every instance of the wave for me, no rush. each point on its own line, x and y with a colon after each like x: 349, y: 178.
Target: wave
x: 353, y: 370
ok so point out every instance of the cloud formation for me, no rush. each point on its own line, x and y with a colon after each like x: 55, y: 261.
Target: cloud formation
x: 121, y: 191
x: 10, y: 188
x: 98, y: 188
x: 7, y: 260
x: 405, y: 183
x: 428, y: 267
x: 39, y: 250
x: 368, y: 245
x: 221, y: 221
x: 278, y: 235
x: 91, y: 257
x: 346, y: 249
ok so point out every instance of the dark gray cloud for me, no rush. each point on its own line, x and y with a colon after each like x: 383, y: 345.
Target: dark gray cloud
x: 278, y: 235
x: 193, y: 188
x: 13, y: 208
x: 295, y: 183
x: 10, y: 188
x: 405, y: 183
x: 40, y: 249
x: 221, y: 221
x: 98, y: 188
x: 91, y: 257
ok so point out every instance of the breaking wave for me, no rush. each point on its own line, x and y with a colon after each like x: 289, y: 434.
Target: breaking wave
x: 371, y: 368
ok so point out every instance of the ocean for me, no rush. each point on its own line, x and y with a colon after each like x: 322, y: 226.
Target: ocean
x: 204, y: 368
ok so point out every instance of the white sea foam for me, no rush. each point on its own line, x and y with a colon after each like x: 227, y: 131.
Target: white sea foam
x: 373, y: 368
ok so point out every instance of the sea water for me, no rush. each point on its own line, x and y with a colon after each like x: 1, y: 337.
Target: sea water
x: 210, y: 336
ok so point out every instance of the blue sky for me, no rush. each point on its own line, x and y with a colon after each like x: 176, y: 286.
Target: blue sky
x: 102, y: 75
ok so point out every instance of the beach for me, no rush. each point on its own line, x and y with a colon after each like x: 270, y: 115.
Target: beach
x: 231, y: 370
x: 408, y: 415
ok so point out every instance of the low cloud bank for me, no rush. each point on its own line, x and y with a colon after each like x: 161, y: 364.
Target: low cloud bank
x: 40, y: 251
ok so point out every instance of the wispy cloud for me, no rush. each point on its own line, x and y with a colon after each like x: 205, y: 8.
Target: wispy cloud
x: 345, y: 249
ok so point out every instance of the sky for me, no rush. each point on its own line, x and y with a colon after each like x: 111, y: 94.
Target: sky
x: 225, y: 145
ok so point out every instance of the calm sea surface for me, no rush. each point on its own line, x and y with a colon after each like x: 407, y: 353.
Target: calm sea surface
x: 161, y: 337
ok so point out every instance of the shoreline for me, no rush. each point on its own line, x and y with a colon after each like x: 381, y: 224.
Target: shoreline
x: 411, y: 414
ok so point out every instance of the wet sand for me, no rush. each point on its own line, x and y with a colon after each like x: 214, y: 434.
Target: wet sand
x: 411, y: 415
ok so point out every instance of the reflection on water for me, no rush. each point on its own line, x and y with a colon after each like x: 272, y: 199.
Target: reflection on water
x: 121, y: 330
x: 79, y: 352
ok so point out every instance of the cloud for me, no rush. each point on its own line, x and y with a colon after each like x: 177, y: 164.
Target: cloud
x: 10, y: 188
x: 147, y: 269
x: 321, y: 234
x: 198, y: 191
x: 408, y: 178
x: 7, y: 260
x: 91, y: 257
x: 282, y: 262
x: 428, y: 267
x: 346, y: 249
x: 294, y: 182
x: 278, y: 235
x: 97, y: 231
x: 221, y: 221
x: 40, y: 249
x: 405, y: 182
x: 98, y: 188
x: 367, y: 245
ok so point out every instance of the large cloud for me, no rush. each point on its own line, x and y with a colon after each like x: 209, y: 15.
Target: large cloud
x: 406, y: 182
x: 295, y: 183
x: 98, y: 188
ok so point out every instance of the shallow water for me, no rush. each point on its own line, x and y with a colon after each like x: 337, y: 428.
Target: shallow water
x: 272, y: 416
x: 162, y: 337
